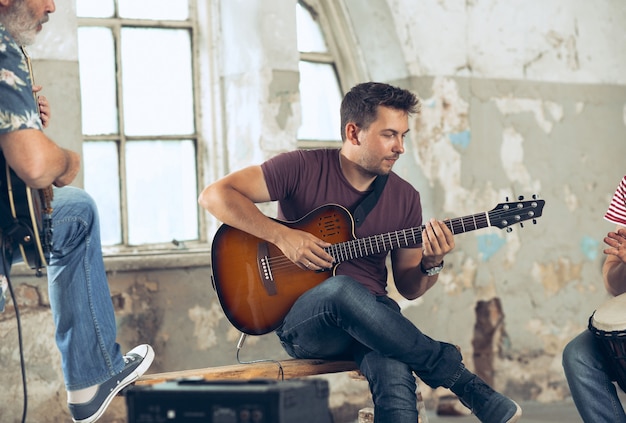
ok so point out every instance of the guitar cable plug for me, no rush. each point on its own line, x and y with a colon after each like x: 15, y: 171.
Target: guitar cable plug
x: 242, y: 340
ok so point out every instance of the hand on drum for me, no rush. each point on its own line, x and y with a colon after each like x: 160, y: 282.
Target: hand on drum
x: 617, y: 243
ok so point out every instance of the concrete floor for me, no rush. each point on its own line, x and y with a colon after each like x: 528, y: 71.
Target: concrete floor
x: 532, y: 412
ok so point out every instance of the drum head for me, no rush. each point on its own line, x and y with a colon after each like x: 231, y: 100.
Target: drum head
x: 611, y: 316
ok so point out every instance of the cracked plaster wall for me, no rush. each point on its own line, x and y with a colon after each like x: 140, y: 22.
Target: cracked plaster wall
x: 518, y: 98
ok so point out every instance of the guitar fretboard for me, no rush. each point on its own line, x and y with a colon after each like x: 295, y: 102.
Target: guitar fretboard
x: 45, y: 194
x: 503, y: 216
x: 409, y: 237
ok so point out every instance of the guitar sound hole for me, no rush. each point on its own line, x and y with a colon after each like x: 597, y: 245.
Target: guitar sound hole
x: 328, y: 226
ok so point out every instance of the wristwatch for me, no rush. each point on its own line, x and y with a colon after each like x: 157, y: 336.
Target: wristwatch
x: 432, y: 271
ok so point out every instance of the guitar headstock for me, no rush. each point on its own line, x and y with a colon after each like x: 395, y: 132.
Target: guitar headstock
x: 506, y: 214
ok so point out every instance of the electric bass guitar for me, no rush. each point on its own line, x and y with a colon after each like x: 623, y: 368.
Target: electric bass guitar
x: 25, y: 213
x: 256, y: 284
x: 25, y: 218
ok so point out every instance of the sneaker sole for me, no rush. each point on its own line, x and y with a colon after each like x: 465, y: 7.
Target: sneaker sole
x: 517, y: 415
x: 140, y: 370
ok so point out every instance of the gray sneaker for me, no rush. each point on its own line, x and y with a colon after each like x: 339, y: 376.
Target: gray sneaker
x: 137, y: 361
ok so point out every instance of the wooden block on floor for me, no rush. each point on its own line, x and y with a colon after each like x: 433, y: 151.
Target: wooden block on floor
x: 366, y: 415
x: 450, y: 405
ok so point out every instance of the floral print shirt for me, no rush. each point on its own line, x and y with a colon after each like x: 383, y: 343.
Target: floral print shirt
x: 18, y: 109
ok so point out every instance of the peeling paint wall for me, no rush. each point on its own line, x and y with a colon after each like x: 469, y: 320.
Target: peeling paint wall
x: 518, y: 98
x: 557, y: 141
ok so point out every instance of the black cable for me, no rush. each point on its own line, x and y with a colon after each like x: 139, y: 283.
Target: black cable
x: 19, y: 329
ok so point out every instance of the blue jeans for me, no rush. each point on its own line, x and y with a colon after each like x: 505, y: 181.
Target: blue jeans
x: 341, y: 319
x: 79, y: 293
x: 588, y: 377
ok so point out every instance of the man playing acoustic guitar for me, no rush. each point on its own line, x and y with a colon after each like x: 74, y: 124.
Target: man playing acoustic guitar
x: 349, y: 315
x: 93, y: 366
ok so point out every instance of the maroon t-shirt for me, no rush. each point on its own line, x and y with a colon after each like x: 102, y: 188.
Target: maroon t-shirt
x: 304, y: 180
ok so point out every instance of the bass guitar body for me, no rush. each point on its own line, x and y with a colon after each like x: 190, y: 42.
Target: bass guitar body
x: 24, y: 217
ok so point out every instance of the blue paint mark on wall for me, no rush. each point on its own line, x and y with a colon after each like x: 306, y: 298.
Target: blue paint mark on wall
x: 590, y: 247
x: 490, y: 244
x: 461, y: 139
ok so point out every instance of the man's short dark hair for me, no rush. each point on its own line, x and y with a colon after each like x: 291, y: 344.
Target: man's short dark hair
x: 360, y: 104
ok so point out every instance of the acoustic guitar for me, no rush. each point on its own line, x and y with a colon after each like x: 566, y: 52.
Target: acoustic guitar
x: 25, y: 213
x: 257, y: 284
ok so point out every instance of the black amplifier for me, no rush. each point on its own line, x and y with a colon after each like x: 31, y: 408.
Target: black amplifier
x: 227, y: 401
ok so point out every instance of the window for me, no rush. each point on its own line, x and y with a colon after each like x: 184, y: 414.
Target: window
x: 321, y: 26
x: 139, y: 114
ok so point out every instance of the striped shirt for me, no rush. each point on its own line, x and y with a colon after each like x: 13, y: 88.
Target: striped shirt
x: 617, y: 209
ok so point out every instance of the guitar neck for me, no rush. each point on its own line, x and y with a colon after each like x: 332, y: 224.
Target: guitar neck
x: 409, y: 237
x: 45, y: 194
x: 29, y: 64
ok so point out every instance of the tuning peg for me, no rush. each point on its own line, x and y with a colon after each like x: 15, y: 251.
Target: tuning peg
x: 521, y: 225
x: 506, y: 199
x: 509, y: 229
x: 534, y: 221
x: 521, y: 197
x: 534, y: 196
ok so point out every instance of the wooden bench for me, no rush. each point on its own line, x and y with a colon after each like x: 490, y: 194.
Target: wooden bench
x: 291, y: 368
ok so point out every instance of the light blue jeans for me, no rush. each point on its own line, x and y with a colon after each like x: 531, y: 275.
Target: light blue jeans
x: 591, y: 387
x: 340, y: 318
x: 79, y: 292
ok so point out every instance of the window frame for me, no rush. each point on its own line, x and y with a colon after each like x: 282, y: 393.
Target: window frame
x: 349, y: 66
x: 193, y: 25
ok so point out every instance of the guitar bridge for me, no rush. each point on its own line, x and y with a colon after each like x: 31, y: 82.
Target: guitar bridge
x: 265, y: 269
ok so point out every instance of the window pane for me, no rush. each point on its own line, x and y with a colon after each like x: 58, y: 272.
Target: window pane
x: 162, y: 195
x: 320, y: 107
x: 154, y: 9
x: 310, y: 36
x: 102, y: 181
x: 94, y: 8
x: 97, y: 80
x: 157, y: 81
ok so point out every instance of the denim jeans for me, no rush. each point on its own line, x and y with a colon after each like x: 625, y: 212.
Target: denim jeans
x: 340, y: 318
x: 79, y: 293
x: 591, y: 387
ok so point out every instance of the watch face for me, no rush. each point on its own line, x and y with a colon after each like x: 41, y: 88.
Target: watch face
x: 434, y: 270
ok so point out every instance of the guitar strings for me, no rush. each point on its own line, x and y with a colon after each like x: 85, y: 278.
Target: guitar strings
x: 351, y: 249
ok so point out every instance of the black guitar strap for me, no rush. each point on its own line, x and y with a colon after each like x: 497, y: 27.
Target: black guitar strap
x: 367, y: 204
